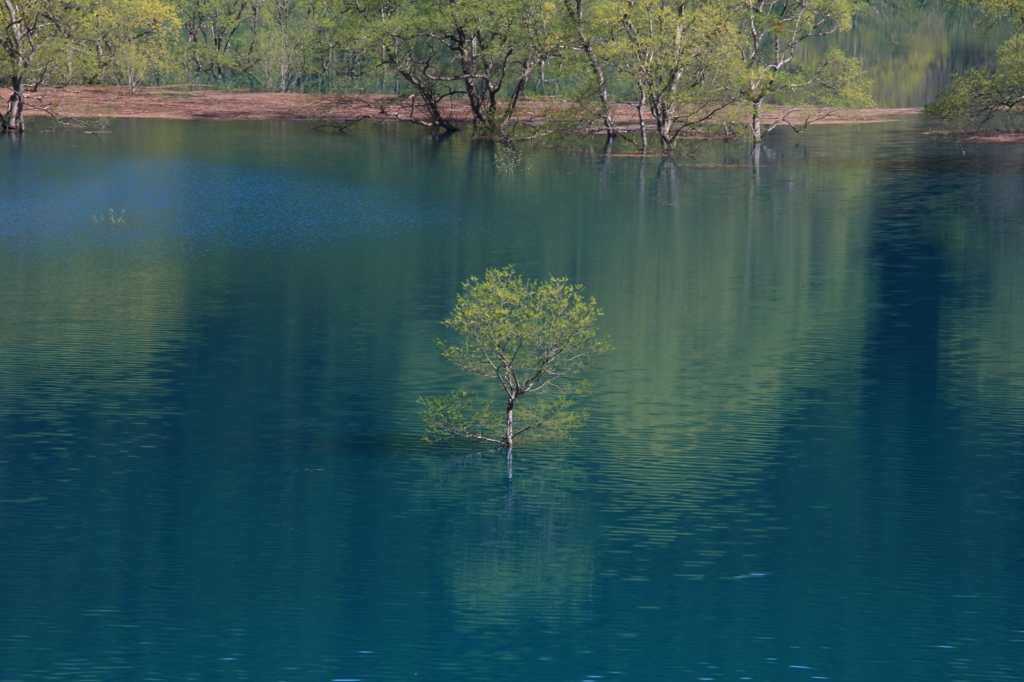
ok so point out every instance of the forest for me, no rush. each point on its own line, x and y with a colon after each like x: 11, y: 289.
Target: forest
x: 685, y: 66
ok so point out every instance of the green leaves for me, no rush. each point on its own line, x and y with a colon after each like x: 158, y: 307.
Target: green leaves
x: 679, y: 57
x: 460, y: 414
x: 476, y: 49
x: 840, y: 81
x: 775, y: 30
x: 133, y: 39
x: 531, y: 337
x: 976, y: 97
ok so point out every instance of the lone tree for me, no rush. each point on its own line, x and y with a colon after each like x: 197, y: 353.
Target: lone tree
x: 533, y: 338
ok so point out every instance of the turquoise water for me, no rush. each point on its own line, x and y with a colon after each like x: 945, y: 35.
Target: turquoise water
x: 804, y: 460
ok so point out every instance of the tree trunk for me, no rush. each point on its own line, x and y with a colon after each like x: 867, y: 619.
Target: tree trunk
x: 517, y: 92
x: 508, y: 435
x: 664, y: 118
x: 755, y: 158
x: 643, y: 123
x: 755, y: 121
x: 575, y: 10
x: 430, y: 100
x: 508, y: 422
x: 14, y: 120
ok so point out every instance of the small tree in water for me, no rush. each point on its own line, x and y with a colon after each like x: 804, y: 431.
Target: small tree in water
x: 533, y: 338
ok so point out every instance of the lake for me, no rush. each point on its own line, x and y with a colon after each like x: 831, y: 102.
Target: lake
x: 804, y: 458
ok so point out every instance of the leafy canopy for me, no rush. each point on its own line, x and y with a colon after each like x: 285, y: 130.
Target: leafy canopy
x: 532, y: 337
x: 980, y: 95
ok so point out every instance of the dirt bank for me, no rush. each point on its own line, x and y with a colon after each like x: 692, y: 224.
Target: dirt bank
x: 190, y: 103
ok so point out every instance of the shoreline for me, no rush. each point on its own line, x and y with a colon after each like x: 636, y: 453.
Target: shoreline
x: 197, y: 103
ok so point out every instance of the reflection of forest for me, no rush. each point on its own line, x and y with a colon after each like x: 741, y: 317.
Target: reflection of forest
x: 743, y: 305
x: 982, y: 337
x: 725, y: 313
x: 912, y: 50
x: 732, y: 297
x: 84, y: 334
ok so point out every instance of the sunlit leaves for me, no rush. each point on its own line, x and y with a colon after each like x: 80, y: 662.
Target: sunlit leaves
x: 840, y: 81
x: 978, y: 96
x: 56, y: 42
x: 133, y: 39
x: 680, y: 58
x: 531, y: 337
x: 37, y: 41
x: 773, y: 30
x: 474, y: 49
x: 1002, y: 9
x: 220, y: 36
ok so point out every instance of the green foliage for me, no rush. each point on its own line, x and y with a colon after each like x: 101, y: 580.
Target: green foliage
x: 773, y: 30
x: 838, y: 81
x: 55, y: 42
x: 680, y: 57
x: 532, y: 338
x: 219, y: 36
x: 133, y: 40
x: 110, y: 217
x: 460, y: 414
x: 37, y: 42
x: 305, y: 44
x: 508, y: 159
x: 979, y: 96
x: 907, y: 47
x: 476, y: 49
x: 683, y: 65
x: 1001, y: 9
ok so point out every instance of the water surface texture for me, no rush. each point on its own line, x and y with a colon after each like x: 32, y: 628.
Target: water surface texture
x: 805, y: 457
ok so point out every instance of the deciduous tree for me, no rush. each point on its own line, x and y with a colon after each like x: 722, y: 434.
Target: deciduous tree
x: 979, y: 95
x: 220, y: 36
x: 37, y: 46
x: 680, y: 57
x: 772, y: 31
x: 471, y: 48
x: 133, y: 39
x: 533, y: 338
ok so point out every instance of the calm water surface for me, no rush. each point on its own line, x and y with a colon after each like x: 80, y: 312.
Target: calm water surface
x: 805, y: 458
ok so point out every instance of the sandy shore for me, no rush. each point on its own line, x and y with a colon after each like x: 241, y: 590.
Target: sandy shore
x: 188, y: 103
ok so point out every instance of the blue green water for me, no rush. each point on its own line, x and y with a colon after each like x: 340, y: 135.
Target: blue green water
x: 805, y: 457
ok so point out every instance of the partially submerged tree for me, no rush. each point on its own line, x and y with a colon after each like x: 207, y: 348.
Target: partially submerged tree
x: 52, y: 43
x: 476, y: 49
x: 772, y: 31
x: 585, y: 35
x: 36, y: 47
x: 533, y: 338
x: 679, y: 57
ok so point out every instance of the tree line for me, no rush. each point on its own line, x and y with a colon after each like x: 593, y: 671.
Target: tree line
x: 682, y: 64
